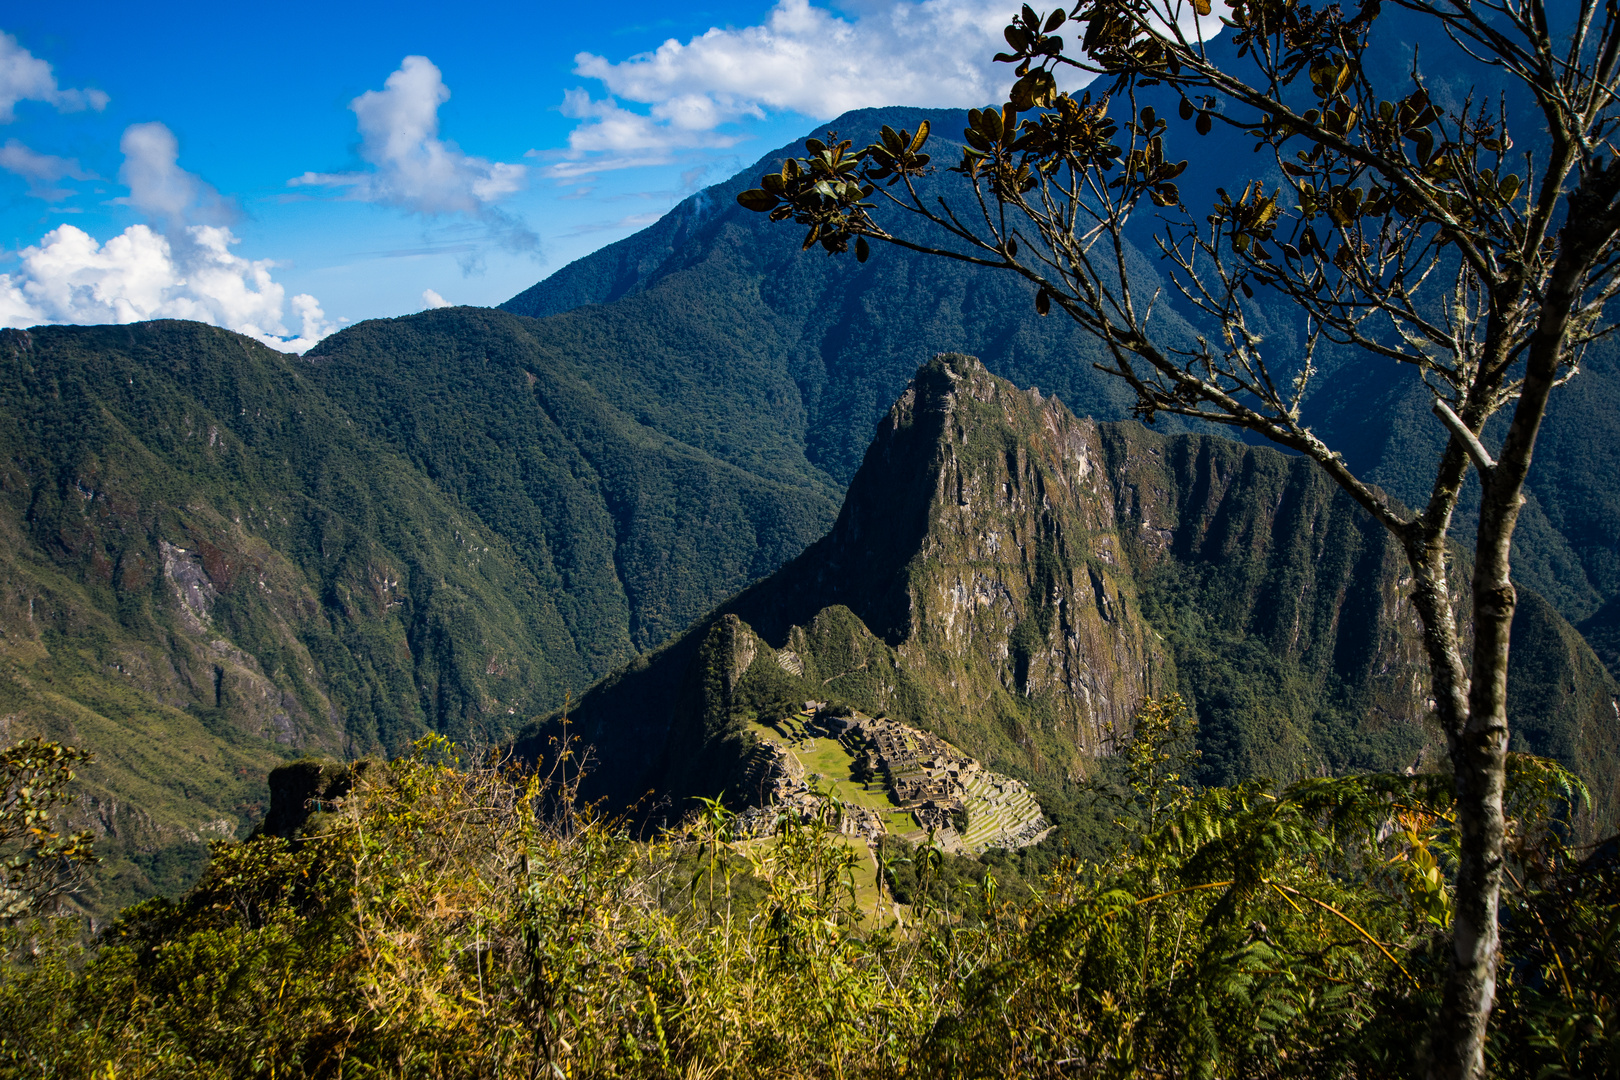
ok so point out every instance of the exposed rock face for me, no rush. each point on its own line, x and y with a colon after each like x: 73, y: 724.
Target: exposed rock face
x: 1016, y: 580
x: 979, y: 542
x: 303, y: 789
x: 1286, y: 607
x: 977, y: 554
x: 1017, y: 570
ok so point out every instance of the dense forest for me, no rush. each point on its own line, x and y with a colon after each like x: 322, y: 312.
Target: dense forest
x: 410, y: 707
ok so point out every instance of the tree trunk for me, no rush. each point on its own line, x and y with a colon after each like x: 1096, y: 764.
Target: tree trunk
x: 1479, y: 744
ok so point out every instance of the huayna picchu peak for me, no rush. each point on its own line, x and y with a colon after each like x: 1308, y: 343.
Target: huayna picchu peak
x: 1015, y: 581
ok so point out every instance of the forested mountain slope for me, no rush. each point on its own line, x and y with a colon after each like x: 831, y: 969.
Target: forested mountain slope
x: 1016, y: 580
x: 217, y: 556
x: 844, y: 338
x: 207, y: 567
x: 638, y: 494
x: 841, y: 339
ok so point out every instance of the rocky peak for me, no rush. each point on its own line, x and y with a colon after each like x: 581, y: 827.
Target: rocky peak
x: 1016, y: 580
x: 971, y: 584
x: 1000, y: 553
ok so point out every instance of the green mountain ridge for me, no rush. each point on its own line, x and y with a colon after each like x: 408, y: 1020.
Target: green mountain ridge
x: 634, y: 530
x: 842, y: 339
x: 451, y: 520
x: 848, y: 336
x: 1016, y: 580
x: 219, y: 556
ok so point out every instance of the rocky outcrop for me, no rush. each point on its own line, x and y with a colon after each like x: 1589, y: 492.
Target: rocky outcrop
x: 1015, y: 580
x: 973, y: 585
x: 302, y: 790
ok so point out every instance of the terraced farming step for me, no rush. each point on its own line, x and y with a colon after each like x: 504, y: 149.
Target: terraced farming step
x: 892, y: 778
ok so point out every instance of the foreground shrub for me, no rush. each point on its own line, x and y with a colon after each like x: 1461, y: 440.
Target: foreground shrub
x: 441, y: 920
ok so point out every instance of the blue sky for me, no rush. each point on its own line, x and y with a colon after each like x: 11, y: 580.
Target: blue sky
x: 287, y: 172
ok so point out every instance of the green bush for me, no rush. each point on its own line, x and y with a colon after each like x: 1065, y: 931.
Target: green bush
x: 447, y: 919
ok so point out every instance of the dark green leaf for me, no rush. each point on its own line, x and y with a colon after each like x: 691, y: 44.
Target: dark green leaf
x: 1023, y: 93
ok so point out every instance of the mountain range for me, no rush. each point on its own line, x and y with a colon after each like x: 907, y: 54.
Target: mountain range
x: 1017, y: 581
x: 219, y: 557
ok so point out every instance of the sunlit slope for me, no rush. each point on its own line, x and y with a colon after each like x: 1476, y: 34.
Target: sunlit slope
x: 207, y: 568
x: 1017, y: 580
x: 847, y: 337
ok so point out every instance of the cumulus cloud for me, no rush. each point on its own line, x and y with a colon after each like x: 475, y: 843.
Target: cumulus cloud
x: 25, y: 77
x: 415, y: 170
x: 802, y: 59
x: 614, y: 137
x: 42, y: 171
x: 70, y: 278
x: 160, y: 188
x: 179, y: 266
x: 431, y: 299
x: 620, y: 130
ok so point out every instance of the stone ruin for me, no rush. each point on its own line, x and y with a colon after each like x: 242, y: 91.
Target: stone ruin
x: 923, y: 773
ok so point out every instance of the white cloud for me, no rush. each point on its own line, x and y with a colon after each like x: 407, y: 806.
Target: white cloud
x: 619, y: 130
x: 613, y: 137
x: 181, y: 269
x: 802, y: 59
x: 415, y: 170
x: 433, y: 300
x: 160, y: 188
x: 69, y: 278
x: 25, y: 77
x: 42, y: 171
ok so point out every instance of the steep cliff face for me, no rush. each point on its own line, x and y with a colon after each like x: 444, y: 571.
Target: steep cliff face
x: 1005, y: 582
x: 1286, y: 607
x: 972, y: 585
x: 1564, y: 704
x: 1017, y: 580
